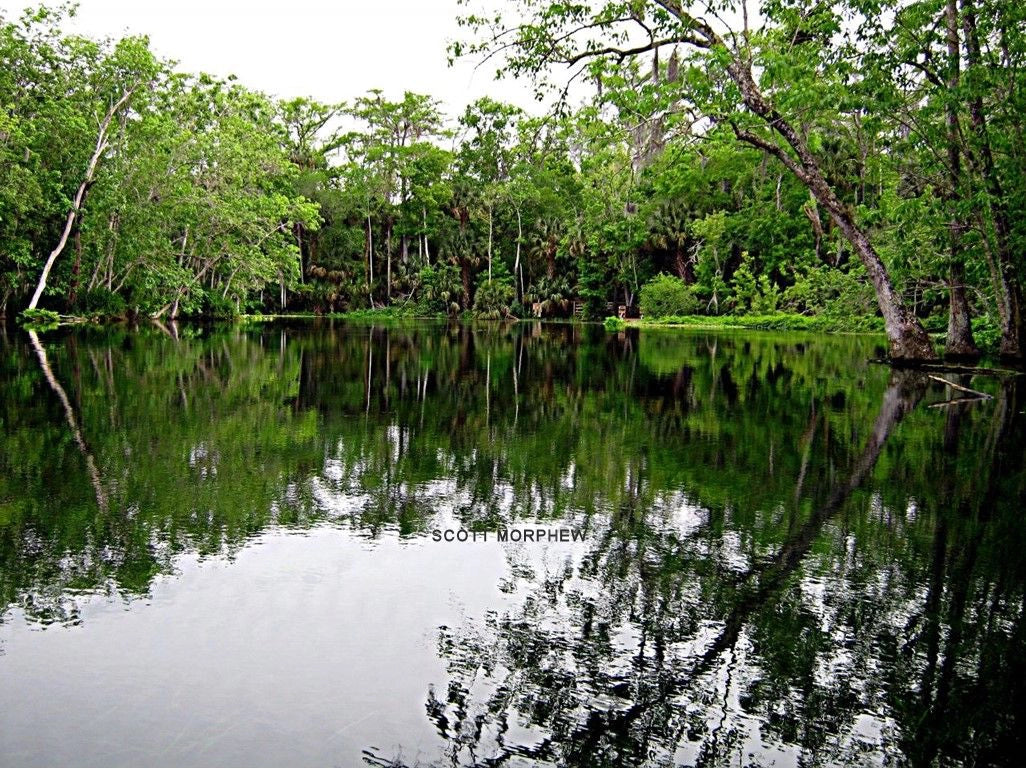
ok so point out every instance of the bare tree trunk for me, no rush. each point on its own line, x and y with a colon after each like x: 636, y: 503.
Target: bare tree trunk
x: 76, y: 205
x: 959, y: 342
x: 516, y: 264
x: 1010, y: 290
x: 388, y: 263
x: 76, y: 270
x: 370, y: 256
x: 427, y: 249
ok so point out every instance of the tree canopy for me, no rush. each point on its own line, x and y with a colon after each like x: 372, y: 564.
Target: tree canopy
x: 855, y: 161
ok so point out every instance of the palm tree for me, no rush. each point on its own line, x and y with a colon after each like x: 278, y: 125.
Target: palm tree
x: 670, y: 231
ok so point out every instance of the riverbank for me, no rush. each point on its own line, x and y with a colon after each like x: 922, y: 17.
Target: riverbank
x: 775, y: 322
x: 986, y: 334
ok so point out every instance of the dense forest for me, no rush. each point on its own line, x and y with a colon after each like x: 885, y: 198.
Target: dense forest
x: 849, y: 165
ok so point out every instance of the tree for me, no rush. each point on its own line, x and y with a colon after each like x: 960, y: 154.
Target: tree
x: 116, y: 79
x: 722, y: 84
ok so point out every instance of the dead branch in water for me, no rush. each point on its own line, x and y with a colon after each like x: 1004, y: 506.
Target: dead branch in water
x: 969, y: 390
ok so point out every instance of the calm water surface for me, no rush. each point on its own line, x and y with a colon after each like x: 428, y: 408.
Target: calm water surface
x: 217, y: 547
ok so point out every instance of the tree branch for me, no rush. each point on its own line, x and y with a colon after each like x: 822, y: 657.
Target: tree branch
x: 772, y: 148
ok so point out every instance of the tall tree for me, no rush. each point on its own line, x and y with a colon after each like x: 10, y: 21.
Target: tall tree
x: 733, y: 78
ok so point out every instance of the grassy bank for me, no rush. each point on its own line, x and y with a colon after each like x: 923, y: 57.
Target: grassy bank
x: 775, y: 322
x: 987, y: 335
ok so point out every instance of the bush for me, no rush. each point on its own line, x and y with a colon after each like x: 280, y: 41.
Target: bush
x: 39, y: 319
x: 441, y: 288
x: 103, y: 302
x: 215, y: 306
x: 987, y: 333
x: 765, y: 302
x: 614, y: 324
x: 833, y: 292
x: 744, y: 286
x: 494, y: 298
x: 666, y: 295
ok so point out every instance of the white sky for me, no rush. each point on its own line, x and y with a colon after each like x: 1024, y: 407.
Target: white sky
x: 332, y: 51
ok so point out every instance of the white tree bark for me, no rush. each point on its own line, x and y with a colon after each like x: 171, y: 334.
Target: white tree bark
x: 90, y: 174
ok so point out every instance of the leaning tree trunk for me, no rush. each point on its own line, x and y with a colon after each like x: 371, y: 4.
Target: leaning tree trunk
x: 906, y: 336
x: 959, y: 343
x: 87, y: 181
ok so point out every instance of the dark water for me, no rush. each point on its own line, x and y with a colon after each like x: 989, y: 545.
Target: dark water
x: 216, y: 547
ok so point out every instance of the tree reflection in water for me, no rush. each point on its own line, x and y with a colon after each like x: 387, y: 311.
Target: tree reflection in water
x: 791, y: 554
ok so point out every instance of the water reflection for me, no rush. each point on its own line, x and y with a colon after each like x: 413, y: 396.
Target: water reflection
x: 792, y: 554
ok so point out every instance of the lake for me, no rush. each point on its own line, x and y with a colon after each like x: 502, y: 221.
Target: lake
x: 232, y: 546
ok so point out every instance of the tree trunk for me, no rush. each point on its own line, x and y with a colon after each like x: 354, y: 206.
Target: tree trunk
x: 1009, y: 290
x: 76, y: 270
x: 516, y: 263
x: 959, y: 343
x: 370, y: 259
x: 388, y: 263
x: 76, y: 205
x: 906, y: 336
x: 298, y: 230
x: 465, y: 277
x: 427, y: 250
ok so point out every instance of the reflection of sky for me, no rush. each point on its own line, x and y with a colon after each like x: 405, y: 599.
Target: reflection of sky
x: 302, y: 649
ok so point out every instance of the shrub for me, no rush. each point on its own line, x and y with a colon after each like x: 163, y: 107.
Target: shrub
x: 494, y: 298
x: 614, y: 324
x: 39, y: 319
x: 666, y: 295
x: 441, y: 288
x: 830, y: 291
x: 216, y: 306
x: 103, y: 302
x: 765, y: 301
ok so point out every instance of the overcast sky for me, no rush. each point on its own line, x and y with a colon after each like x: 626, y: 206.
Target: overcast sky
x: 332, y: 51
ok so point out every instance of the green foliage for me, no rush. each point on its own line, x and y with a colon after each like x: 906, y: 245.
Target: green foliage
x: 441, y: 288
x: 39, y: 319
x: 765, y: 303
x: 614, y: 324
x: 837, y: 294
x: 220, y: 307
x: 779, y: 321
x: 493, y: 299
x: 745, y: 287
x: 103, y: 302
x: 209, y: 196
x: 666, y: 295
